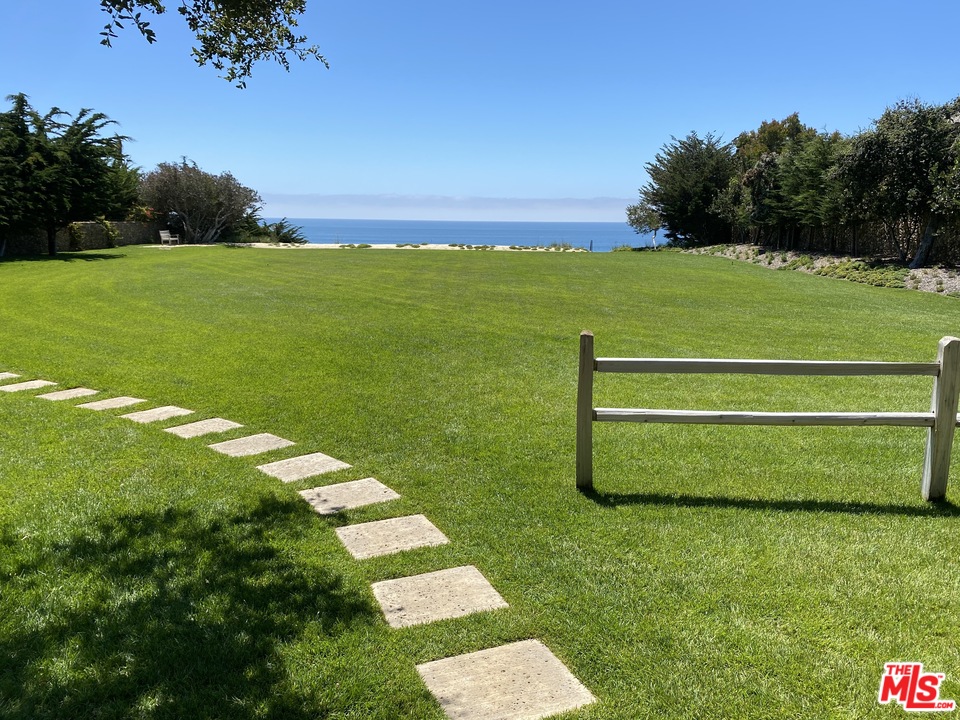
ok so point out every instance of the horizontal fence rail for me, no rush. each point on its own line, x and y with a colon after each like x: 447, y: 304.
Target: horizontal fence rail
x: 940, y: 422
x: 708, y: 417
x: 762, y: 367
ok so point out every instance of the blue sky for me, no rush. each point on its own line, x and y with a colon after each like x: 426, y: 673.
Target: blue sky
x: 483, y: 111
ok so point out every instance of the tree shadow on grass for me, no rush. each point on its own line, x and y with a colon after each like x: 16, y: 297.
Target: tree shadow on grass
x: 87, y: 256
x: 944, y: 508
x: 163, y: 614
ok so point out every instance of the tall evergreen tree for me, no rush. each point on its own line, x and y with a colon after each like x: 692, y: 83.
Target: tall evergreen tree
x: 54, y: 172
x: 686, y: 179
x: 15, y: 190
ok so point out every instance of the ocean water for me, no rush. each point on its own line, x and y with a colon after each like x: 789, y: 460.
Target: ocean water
x: 600, y: 236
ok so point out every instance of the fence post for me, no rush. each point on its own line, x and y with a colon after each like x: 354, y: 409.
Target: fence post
x: 946, y: 393
x: 585, y: 413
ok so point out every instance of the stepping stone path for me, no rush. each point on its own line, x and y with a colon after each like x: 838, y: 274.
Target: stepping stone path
x: 346, y: 496
x: 436, y: 596
x: 68, y: 394
x: 28, y: 385
x: 385, y: 537
x: 520, y: 681
x: 251, y: 445
x: 111, y: 403
x: 299, y: 468
x: 203, y: 427
x: 156, y: 414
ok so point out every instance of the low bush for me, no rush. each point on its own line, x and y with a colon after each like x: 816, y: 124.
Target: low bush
x: 798, y: 263
x: 879, y: 274
x: 284, y: 232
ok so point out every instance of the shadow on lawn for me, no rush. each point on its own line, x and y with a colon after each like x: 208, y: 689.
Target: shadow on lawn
x: 163, y: 614
x: 63, y: 257
x: 944, y: 508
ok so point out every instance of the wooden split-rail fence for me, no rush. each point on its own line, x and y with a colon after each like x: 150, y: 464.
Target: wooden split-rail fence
x: 940, y: 422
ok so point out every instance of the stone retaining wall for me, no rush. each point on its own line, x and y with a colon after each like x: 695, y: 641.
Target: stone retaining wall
x: 86, y: 236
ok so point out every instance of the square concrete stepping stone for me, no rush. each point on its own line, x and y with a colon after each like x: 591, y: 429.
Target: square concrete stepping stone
x: 251, y: 445
x: 436, y: 596
x: 384, y: 537
x: 203, y: 427
x: 156, y: 414
x: 28, y: 385
x: 344, y: 496
x: 8, y: 375
x: 111, y: 403
x: 301, y: 467
x: 520, y: 681
x: 68, y: 394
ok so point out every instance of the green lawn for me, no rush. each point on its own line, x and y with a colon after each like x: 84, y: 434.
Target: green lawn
x: 720, y: 572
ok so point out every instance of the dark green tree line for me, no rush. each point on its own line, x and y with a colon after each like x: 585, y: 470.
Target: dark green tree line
x: 55, y: 170
x: 892, y: 190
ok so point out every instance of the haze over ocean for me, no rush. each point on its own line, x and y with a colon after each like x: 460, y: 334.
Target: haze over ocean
x: 604, y: 236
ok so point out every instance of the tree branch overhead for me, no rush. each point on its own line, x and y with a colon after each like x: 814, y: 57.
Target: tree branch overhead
x: 232, y: 35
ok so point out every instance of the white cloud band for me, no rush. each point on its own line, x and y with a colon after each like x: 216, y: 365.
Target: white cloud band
x: 440, y: 207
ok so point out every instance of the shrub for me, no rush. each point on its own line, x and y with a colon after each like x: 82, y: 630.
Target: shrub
x: 804, y: 261
x: 76, y: 237
x: 284, y: 232
x: 112, y: 234
x: 871, y: 274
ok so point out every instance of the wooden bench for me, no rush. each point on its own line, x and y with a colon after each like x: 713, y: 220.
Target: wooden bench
x: 168, y: 238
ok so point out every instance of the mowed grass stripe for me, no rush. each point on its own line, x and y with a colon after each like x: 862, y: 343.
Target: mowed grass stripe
x: 793, y: 561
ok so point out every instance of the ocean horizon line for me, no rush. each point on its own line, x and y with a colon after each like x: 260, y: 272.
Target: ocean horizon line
x: 277, y: 218
x: 599, y: 236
